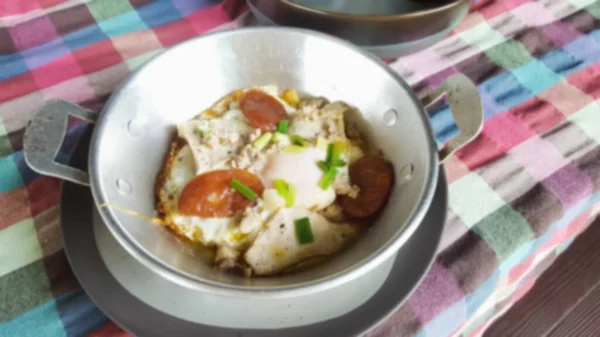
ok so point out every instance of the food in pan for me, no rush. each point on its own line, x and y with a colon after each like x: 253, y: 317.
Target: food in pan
x: 271, y: 181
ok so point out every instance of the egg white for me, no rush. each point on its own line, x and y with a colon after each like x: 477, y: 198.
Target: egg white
x: 224, y: 142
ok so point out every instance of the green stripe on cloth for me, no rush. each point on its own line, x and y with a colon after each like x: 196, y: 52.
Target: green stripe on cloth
x: 10, y: 177
x: 471, y: 198
x: 584, y: 118
x: 5, y: 145
x: 29, y: 287
x: 137, y: 61
x: 43, y: 318
x: 18, y: 246
x: 594, y: 9
x: 504, y: 230
x: 509, y: 54
x: 106, y: 9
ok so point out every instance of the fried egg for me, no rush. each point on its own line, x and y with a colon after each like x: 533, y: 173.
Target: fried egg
x: 221, y: 138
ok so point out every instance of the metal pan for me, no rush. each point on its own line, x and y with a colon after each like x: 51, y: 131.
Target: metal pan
x: 133, y: 132
x: 157, y: 307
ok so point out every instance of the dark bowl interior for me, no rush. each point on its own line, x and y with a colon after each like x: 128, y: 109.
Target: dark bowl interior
x: 367, y: 23
x: 371, y: 7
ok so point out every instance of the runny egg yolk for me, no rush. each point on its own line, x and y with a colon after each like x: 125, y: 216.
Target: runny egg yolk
x: 301, y: 170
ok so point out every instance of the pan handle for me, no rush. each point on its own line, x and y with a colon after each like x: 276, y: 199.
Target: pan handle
x: 44, y: 135
x: 465, y: 105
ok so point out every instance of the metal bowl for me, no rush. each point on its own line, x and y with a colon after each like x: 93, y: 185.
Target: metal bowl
x: 365, y: 23
x: 134, y: 130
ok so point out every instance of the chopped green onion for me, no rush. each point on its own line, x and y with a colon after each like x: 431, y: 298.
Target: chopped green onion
x: 280, y: 186
x: 262, y: 141
x: 286, y: 190
x: 340, y: 146
x: 328, y: 178
x: 304, y: 232
x: 335, y: 154
x: 329, y: 157
x: 340, y: 163
x: 283, y: 126
x: 200, y: 131
x: 280, y: 138
x: 290, y: 200
x: 300, y: 141
x: 323, y: 166
x: 293, y: 149
x: 334, y: 150
x: 244, y: 190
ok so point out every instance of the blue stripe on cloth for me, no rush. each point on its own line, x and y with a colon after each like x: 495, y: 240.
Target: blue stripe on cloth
x: 544, y: 238
x: 186, y: 7
x: 584, y: 48
x: 446, y: 322
x: 158, y: 13
x: 575, y: 55
x: 563, y: 246
x: 42, y: 318
x: 10, y: 176
x: 123, y: 24
x: 517, y: 257
x: 506, y: 90
x: 482, y: 293
x: 84, y: 37
x: 12, y: 65
x: 561, y: 62
x: 44, y: 54
x: 536, y: 77
x: 27, y: 174
x: 79, y: 314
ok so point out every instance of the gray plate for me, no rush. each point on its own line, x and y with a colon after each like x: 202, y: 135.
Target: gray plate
x: 138, y: 318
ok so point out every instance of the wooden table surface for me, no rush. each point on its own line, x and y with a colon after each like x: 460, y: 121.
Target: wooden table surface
x: 565, y: 302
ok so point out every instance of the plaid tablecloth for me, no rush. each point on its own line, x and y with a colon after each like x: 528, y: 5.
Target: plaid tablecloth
x: 519, y: 194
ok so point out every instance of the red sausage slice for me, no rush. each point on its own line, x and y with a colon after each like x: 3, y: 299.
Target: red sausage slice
x: 210, y: 194
x: 262, y: 110
x: 374, y: 176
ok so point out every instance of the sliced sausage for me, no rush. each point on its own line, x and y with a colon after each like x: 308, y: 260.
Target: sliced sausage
x: 210, y: 194
x: 262, y: 110
x: 374, y: 176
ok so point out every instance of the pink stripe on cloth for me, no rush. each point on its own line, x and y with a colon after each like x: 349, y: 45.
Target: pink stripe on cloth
x: 208, y: 18
x: 10, y: 8
x: 570, y: 185
x: 538, y: 157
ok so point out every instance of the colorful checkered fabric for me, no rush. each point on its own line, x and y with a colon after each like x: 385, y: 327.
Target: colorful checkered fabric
x: 519, y: 193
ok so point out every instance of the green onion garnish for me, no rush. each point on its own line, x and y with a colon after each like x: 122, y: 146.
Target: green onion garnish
x: 323, y: 166
x: 300, y: 141
x: 244, y: 190
x: 283, y: 126
x: 290, y: 200
x: 328, y: 178
x: 200, y: 131
x: 286, y: 190
x: 280, y: 138
x: 293, y: 149
x: 304, y: 233
x: 329, y: 157
x: 340, y: 163
x: 262, y: 141
x: 334, y: 150
x: 335, y: 154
